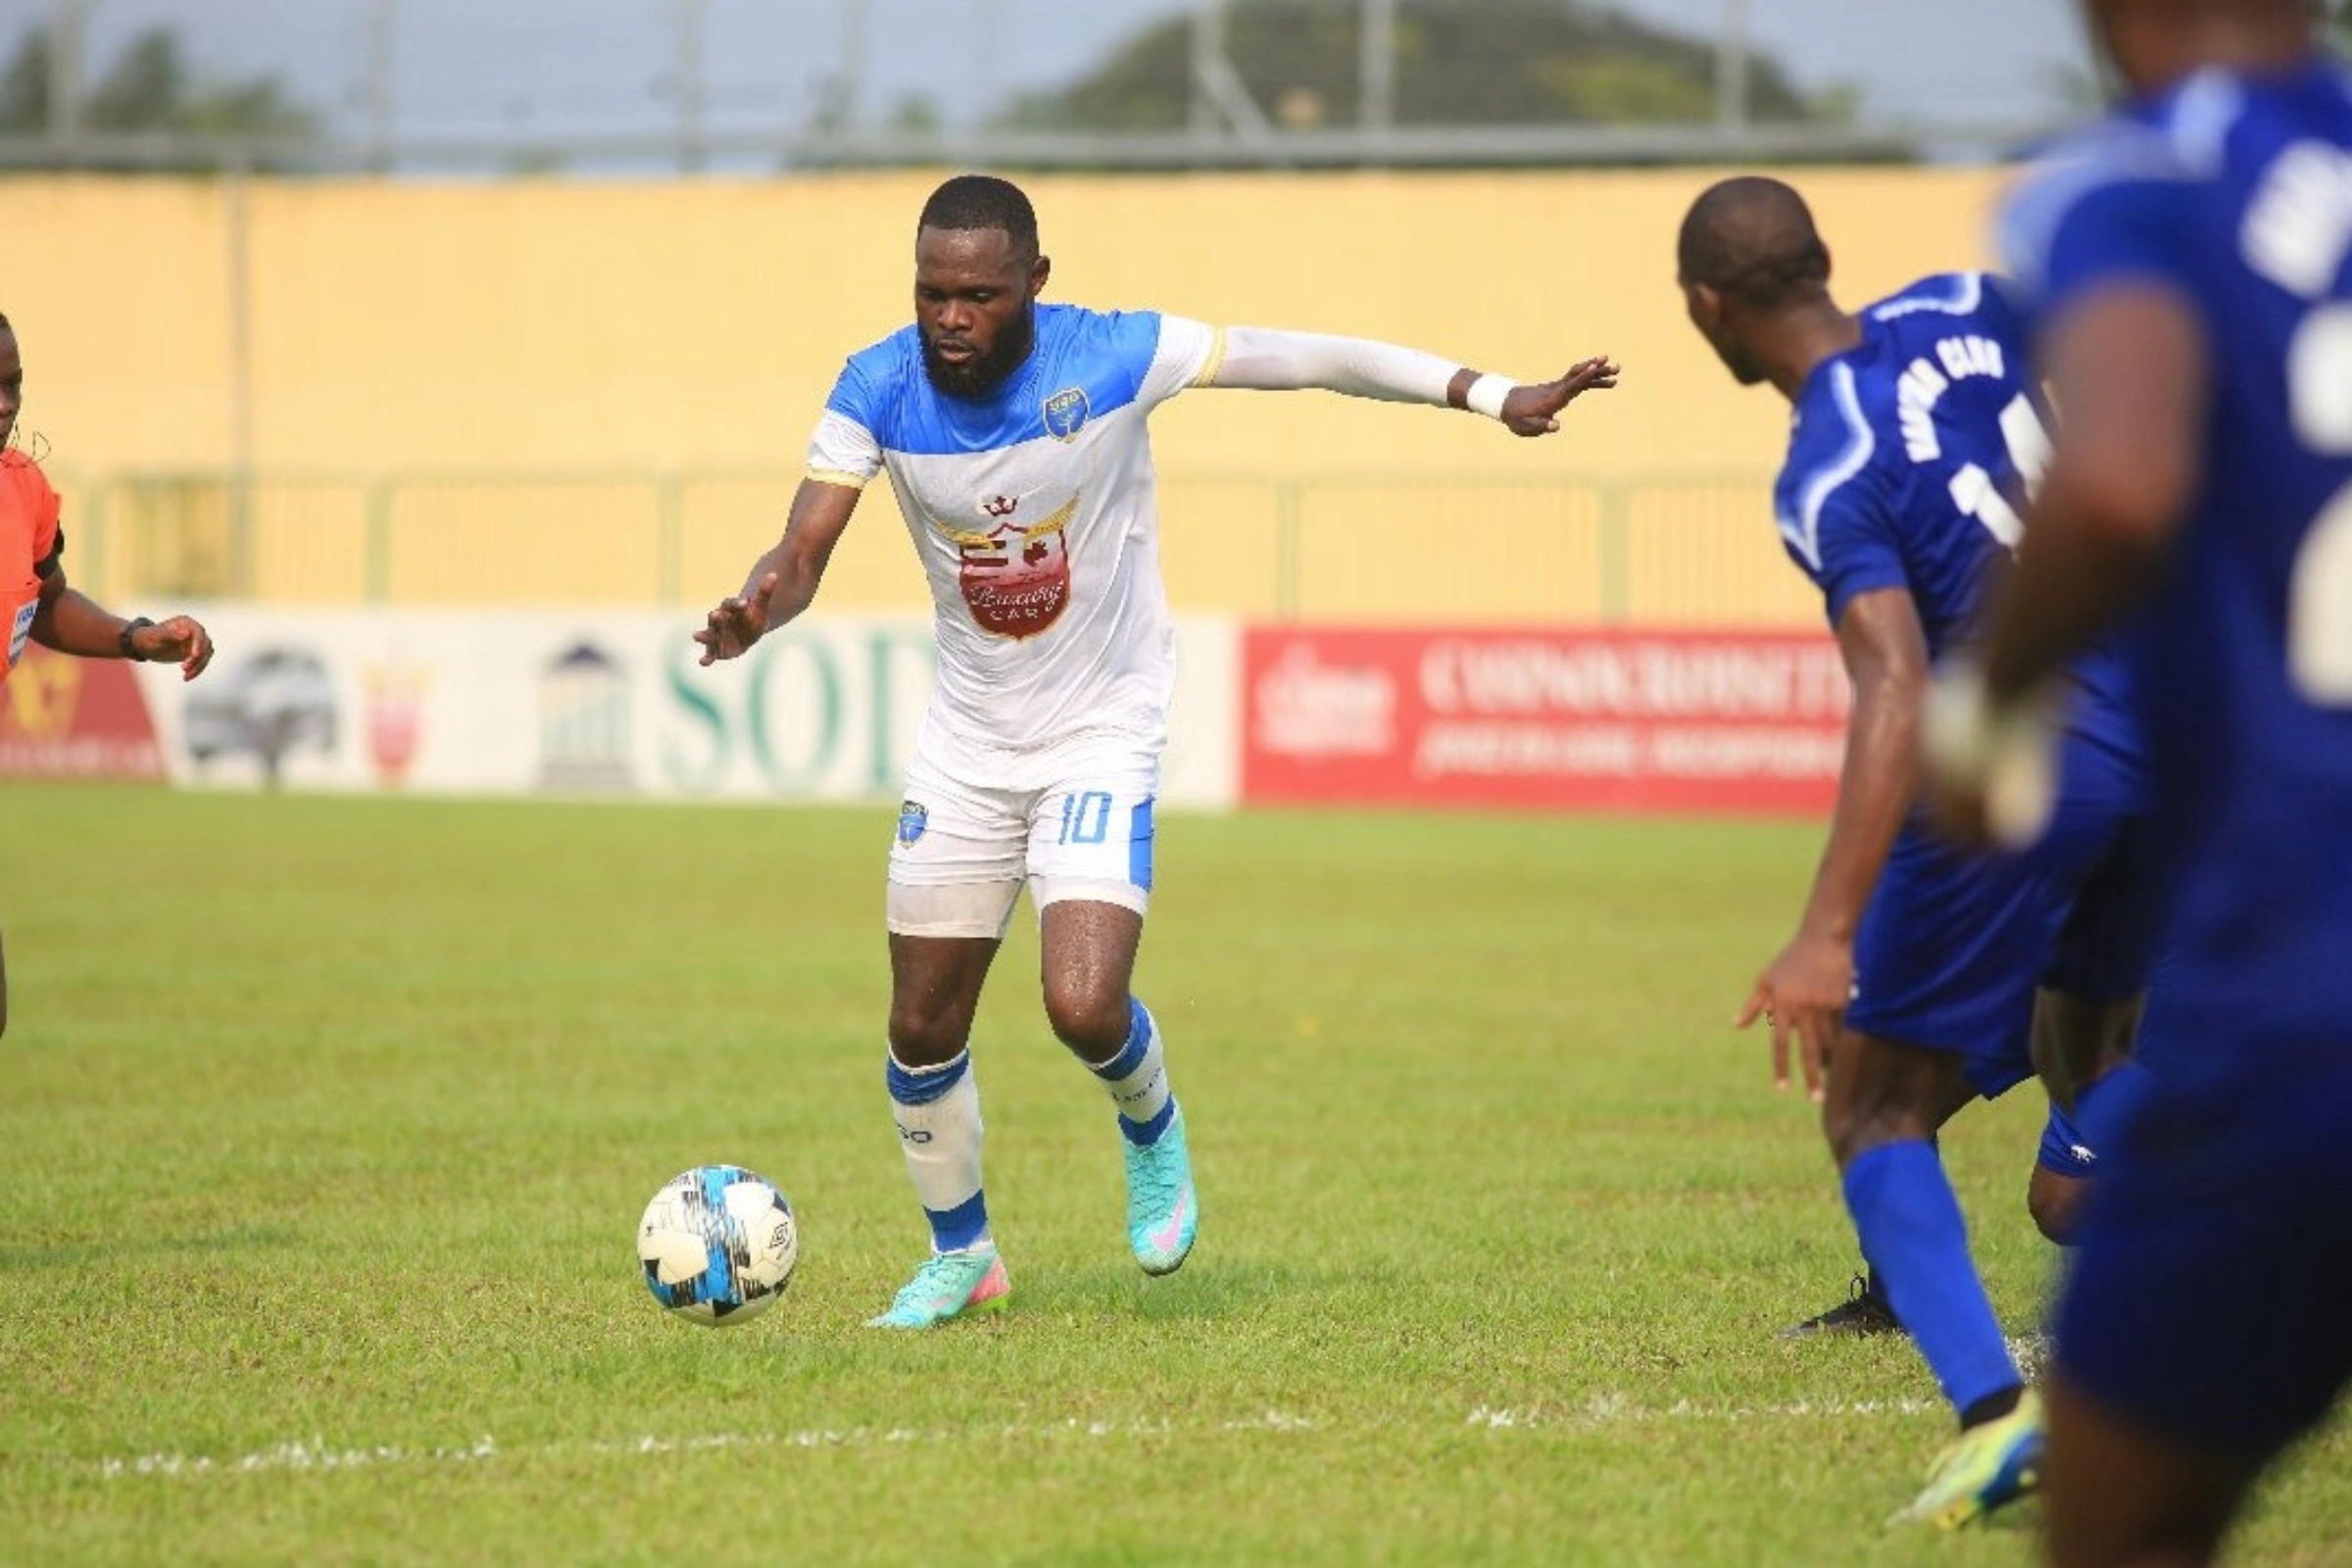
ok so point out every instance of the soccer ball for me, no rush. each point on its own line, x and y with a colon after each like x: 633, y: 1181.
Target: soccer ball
x: 719, y: 1245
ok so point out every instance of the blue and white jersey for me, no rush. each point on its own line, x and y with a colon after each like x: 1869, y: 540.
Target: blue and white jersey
x: 1034, y: 512
x: 2235, y: 195
x: 1908, y: 457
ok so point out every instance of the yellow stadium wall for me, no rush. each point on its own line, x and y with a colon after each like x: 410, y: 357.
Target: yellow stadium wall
x: 599, y: 391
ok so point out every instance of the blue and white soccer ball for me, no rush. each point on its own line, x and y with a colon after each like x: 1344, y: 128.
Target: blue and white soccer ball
x: 719, y: 1245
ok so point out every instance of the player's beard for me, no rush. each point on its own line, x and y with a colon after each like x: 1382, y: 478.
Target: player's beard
x: 982, y: 374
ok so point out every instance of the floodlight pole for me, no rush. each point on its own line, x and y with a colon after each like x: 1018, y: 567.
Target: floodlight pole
x: 1209, y: 48
x: 66, y: 22
x: 1731, y: 68
x: 1220, y: 97
x: 689, y: 85
x: 1376, y: 72
x: 853, y: 47
x: 383, y: 40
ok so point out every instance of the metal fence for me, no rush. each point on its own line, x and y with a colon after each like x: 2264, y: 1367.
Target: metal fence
x: 686, y: 85
x: 1695, y: 549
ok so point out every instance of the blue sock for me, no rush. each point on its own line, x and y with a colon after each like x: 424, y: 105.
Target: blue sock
x: 1917, y: 1242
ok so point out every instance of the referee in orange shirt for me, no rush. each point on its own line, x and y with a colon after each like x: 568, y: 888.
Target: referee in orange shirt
x: 35, y: 600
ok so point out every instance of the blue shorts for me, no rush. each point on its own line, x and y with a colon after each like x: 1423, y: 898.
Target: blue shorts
x: 2212, y: 1299
x: 2066, y: 1148
x: 1954, y: 945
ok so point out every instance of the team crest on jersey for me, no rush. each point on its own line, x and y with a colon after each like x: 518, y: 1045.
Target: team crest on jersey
x: 913, y: 817
x: 1016, y: 581
x: 1066, y: 411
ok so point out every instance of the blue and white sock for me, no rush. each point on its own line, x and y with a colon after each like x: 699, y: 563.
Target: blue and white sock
x: 938, y: 1112
x: 1913, y: 1233
x: 1138, y: 1080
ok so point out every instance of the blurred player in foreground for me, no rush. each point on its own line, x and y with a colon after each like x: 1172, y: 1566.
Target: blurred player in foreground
x: 33, y: 593
x: 1908, y: 990
x: 1013, y: 434
x: 2186, y: 266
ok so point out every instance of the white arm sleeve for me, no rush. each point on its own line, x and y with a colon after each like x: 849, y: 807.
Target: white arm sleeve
x: 1265, y: 359
x: 1187, y: 355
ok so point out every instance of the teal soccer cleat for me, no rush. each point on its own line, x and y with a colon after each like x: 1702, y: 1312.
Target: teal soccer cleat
x: 1162, y: 1214
x: 949, y: 1285
x: 1985, y: 1468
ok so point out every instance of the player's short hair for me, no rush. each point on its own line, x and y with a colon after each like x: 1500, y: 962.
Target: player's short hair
x: 983, y: 201
x: 1753, y: 238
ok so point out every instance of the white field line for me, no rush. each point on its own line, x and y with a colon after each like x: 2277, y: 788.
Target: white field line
x: 1599, y: 1412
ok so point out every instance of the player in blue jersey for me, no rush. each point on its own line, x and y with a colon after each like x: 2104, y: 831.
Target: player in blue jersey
x: 1908, y: 990
x: 2189, y: 267
x: 1015, y: 436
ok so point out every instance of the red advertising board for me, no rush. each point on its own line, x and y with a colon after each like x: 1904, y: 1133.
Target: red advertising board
x: 1668, y: 721
x: 64, y: 717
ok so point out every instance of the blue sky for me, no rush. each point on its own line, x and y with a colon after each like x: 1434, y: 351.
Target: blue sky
x: 600, y: 66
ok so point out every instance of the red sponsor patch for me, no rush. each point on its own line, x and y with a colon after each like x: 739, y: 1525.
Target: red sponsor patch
x: 1017, y: 580
x: 67, y: 717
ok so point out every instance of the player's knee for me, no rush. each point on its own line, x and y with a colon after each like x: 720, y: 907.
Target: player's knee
x: 2056, y: 1203
x: 1855, y: 1127
x: 923, y: 1035
x: 1091, y: 1019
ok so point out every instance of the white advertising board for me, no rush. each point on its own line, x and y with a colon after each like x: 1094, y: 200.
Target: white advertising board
x: 506, y: 702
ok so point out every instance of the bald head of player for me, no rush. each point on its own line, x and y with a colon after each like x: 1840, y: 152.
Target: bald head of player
x: 977, y: 275
x: 2155, y: 43
x: 1755, y: 278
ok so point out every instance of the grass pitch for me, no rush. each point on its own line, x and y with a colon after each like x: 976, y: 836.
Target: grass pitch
x: 325, y: 1126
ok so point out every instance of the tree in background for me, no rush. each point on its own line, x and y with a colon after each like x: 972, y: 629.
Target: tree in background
x: 150, y: 87
x: 1458, y: 62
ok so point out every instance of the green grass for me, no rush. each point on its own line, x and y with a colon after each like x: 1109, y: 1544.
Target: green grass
x: 325, y: 1126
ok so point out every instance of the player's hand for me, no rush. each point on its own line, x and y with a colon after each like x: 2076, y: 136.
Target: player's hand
x: 180, y: 639
x: 738, y: 622
x: 1989, y: 773
x: 1533, y: 410
x: 1802, y: 997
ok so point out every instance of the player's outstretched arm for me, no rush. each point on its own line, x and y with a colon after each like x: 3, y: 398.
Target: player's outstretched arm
x: 1533, y: 410
x: 1803, y: 993
x: 784, y: 580
x: 1267, y: 359
x: 70, y: 621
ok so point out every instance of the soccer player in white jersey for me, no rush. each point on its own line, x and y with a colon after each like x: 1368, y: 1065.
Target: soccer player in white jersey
x: 1014, y: 435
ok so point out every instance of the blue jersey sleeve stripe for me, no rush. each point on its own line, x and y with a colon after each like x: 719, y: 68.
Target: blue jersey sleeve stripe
x: 2203, y: 113
x: 1860, y: 447
x: 2118, y: 155
x: 1964, y: 296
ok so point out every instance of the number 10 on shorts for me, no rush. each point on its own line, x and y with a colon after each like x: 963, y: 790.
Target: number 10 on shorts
x: 1097, y: 835
x: 1086, y: 818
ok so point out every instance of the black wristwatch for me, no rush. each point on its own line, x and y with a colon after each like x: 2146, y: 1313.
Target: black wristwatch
x: 129, y: 627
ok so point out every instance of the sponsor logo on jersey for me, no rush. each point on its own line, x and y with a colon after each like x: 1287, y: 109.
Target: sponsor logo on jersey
x: 1066, y: 411
x: 913, y: 819
x: 21, y: 630
x: 1016, y: 581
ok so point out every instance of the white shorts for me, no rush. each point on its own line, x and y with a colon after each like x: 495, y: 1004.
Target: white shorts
x: 963, y: 851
